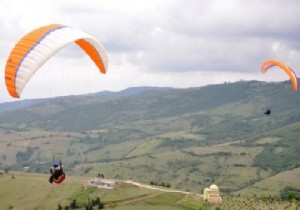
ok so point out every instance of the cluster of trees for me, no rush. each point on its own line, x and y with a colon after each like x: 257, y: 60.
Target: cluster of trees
x: 179, y: 143
x: 162, y: 184
x: 239, y: 165
x: 285, y: 160
x: 218, y: 154
x: 100, y: 175
x: 92, y: 203
x: 290, y: 193
x: 24, y: 156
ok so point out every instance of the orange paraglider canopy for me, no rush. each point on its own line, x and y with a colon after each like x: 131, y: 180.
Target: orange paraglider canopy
x: 270, y: 63
x: 39, y: 45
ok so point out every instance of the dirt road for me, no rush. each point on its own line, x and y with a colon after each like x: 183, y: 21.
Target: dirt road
x: 157, y: 188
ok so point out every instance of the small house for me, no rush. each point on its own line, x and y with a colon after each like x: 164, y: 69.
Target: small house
x: 102, y: 183
x: 212, y: 194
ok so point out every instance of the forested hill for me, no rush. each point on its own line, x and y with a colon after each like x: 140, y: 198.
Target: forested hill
x: 191, y: 137
x: 239, y: 101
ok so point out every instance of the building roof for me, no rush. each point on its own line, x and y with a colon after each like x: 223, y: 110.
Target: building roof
x: 213, y: 186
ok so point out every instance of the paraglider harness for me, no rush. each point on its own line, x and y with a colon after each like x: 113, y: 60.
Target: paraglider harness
x: 57, y: 173
x: 268, y: 112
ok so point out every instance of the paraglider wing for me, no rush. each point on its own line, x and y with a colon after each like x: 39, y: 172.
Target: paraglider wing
x: 270, y: 63
x: 36, y: 47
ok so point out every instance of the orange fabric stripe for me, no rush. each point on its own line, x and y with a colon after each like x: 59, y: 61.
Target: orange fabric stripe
x: 60, y: 179
x: 266, y: 65
x: 91, y: 51
x: 19, y: 51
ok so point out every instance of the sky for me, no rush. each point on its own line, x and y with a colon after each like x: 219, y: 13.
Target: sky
x: 163, y: 43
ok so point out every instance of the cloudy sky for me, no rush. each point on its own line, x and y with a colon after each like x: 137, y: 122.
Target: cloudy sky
x: 167, y: 43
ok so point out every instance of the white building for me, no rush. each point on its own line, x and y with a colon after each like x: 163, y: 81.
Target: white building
x: 102, y: 183
x: 212, y: 194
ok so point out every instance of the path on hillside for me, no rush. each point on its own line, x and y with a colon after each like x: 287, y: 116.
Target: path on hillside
x: 157, y: 188
x: 137, y: 199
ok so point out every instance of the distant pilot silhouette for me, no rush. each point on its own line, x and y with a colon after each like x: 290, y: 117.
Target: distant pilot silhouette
x: 268, y: 112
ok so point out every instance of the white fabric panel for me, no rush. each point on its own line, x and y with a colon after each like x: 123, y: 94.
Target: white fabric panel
x: 100, y: 49
x: 49, y: 46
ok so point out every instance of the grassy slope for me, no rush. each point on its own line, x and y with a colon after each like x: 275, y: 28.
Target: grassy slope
x: 28, y: 191
x: 256, y: 196
x: 228, y: 165
x: 32, y: 191
x: 273, y: 184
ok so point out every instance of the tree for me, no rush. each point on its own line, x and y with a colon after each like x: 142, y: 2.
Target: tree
x: 59, y: 207
x: 100, y: 175
x: 97, y: 201
x: 89, y: 207
x: 290, y: 193
x: 73, y: 205
x: 101, y: 205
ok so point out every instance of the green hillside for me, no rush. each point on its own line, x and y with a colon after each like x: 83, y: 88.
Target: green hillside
x: 188, y: 138
x: 26, y: 191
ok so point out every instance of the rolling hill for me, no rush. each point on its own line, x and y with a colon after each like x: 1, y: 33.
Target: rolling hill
x: 189, y: 138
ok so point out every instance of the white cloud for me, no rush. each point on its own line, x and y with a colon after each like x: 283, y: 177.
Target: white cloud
x: 162, y: 43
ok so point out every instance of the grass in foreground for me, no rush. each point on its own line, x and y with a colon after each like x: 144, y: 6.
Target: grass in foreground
x: 27, y: 191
